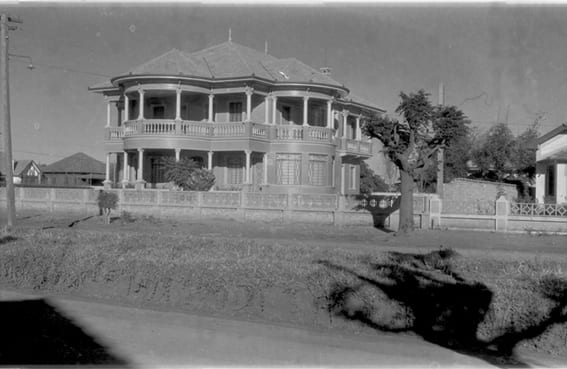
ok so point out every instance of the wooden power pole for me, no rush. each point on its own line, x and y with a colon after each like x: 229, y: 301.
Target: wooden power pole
x: 5, y: 27
x: 440, y: 151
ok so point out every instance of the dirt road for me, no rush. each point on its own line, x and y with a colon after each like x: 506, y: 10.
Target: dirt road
x: 145, y: 338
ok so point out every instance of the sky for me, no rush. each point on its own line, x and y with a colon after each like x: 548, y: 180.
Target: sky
x: 498, y: 63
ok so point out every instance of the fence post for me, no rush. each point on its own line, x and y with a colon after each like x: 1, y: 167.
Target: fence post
x: 339, y: 218
x: 200, y: 203
x: 242, y: 208
x: 435, y: 206
x: 20, y: 195
x: 502, y: 211
x: 85, y: 200
x: 286, y: 214
x: 51, y: 200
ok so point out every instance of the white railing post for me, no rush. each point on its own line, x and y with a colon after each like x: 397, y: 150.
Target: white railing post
x: 502, y: 211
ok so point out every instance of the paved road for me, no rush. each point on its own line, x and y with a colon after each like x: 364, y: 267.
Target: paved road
x: 146, y: 338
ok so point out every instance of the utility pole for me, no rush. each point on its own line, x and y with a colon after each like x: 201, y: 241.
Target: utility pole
x: 5, y: 27
x: 440, y: 151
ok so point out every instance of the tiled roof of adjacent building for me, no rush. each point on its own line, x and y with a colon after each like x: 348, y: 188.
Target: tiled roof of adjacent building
x: 76, y: 163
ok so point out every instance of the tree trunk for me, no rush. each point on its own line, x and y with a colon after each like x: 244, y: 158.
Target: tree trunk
x: 406, y: 205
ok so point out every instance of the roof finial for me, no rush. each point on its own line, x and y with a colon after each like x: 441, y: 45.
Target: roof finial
x: 230, y: 35
x: 266, y: 47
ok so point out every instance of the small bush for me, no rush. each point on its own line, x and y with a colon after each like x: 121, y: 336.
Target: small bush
x: 106, y: 202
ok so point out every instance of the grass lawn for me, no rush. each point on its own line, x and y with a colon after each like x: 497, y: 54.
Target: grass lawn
x: 479, y: 293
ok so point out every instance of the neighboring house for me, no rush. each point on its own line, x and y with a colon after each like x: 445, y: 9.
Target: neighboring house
x: 551, y: 166
x: 27, y: 172
x: 76, y: 170
x: 260, y: 123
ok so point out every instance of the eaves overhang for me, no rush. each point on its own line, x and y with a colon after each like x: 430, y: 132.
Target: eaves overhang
x: 362, y: 106
x: 116, y: 81
x: 559, y: 130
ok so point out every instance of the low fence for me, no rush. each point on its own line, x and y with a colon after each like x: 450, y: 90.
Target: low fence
x: 240, y: 206
x: 429, y: 210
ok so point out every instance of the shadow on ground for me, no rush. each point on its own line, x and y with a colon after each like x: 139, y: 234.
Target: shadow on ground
x: 437, y: 304
x: 35, y: 333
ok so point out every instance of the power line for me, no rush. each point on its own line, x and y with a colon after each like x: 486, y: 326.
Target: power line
x: 66, y: 69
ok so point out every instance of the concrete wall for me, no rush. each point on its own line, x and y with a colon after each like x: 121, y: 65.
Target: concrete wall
x: 239, y: 206
x: 284, y: 208
x: 462, y: 189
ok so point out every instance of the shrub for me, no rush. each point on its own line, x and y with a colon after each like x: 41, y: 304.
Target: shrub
x: 188, y: 174
x: 106, y: 202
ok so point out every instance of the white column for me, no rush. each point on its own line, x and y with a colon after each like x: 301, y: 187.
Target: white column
x: 274, y: 109
x: 107, y: 172
x: 265, y: 162
x: 541, y: 170
x: 329, y: 113
x: 247, y: 173
x: 560, y: 183
x: 305, y: 110
x: 108, y: 112
x: 126, y: 108
x: 345, y: 117
x: 178, y: 104
x: 140, y: 165
x: 249, y: 93
x: 358, y: 133
x: 141, y: 109
x: 126, y: 169
x: 177, y: 154
x: 210, y: 160
x: 267, y: 109
x: 211, y: 101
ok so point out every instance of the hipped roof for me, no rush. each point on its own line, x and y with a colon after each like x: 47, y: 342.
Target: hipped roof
x: 76, y: 163
x: 230, y: 60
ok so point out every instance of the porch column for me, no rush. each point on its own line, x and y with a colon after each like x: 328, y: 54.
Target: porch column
x: 265, y: 162
x: 107, y: 172
x: 177, y: 154
x: 126, y: 170
x: 305, y: 110
x: 267, y: 109
x: 560, y: 183
x: 274, y: 108
x: 329, y: 113
x: 358, y: 133
x: 108, y: 112
x: 178, y: 104
x: 211, y: 101
x: 541, y: 169
x: 247, y: 173
x: 126, y: 108
x: 141, y: 109
x: 140, y: 165
x: 249, y: 92
x: 345, y: 117
x: 210, y: 160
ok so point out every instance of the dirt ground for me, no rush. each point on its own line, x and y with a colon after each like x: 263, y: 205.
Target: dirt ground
x: 279, y: 303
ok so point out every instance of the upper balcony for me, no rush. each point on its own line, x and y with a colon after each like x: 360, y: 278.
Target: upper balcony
x: 268, y: 133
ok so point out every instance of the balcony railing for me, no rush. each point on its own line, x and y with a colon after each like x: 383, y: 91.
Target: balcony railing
x: 280, y: 133
x: 355, y: 146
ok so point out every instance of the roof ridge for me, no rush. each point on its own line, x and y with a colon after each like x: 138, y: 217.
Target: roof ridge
x: 208, y: 48
x: 240, y: 56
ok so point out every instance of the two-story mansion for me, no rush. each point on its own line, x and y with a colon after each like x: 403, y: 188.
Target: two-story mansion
x: 258, y: 122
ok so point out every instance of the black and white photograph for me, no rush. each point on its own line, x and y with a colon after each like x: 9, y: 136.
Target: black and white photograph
x: 288, y: 184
